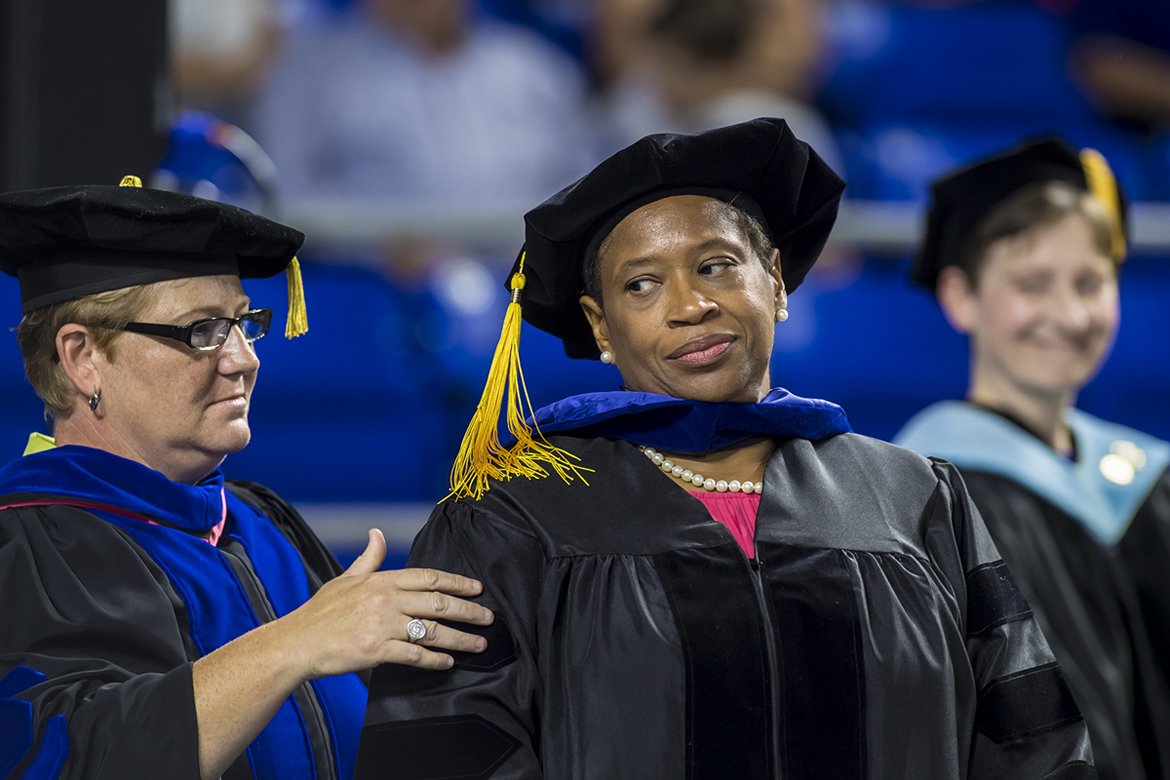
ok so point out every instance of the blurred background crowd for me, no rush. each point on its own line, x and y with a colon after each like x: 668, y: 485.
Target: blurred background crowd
x: 408, y: 138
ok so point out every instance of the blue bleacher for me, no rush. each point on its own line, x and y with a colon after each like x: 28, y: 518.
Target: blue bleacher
x: 916, y: 90
x: 21, y: 412
x: 346, y: 412
x: 859, y: 335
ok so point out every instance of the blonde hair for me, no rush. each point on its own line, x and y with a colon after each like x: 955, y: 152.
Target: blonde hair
x: 103, y: 313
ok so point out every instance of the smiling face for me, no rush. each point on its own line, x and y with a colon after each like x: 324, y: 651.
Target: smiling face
x: 1042, y: 314
x: 178, y: 410
x: 689, y: 308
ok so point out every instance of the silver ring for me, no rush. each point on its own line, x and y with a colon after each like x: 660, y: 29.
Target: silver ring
x: 415, y: 630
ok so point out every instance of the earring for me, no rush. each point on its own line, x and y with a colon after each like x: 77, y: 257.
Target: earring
x: 781, y: 315
x: 607, y: 357
x: 95, y: 399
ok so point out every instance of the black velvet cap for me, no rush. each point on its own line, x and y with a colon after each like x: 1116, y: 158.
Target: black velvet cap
x: 63, y: 243
x: 960, y: 200
x: 758, y: 165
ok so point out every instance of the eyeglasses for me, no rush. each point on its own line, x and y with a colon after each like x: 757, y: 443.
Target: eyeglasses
x: 210, y: 333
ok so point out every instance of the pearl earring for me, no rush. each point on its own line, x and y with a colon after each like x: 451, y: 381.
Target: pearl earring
x: 607, y: 357
x: 781, y: 315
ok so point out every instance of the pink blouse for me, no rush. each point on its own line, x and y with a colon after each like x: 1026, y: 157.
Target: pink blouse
x: 737, y: 511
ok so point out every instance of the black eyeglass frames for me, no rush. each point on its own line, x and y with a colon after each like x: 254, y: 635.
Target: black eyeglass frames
x: 210, y: 333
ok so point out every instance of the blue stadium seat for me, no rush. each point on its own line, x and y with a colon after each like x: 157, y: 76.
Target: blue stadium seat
x: 917, y: 90
x: 859, y: 335
x: 346, y: 412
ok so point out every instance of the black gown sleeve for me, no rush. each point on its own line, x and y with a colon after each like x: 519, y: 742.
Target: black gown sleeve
x: 477, y: 719
x: 1084, y: 598
x: 92, y: 656
x: 1028, y: 724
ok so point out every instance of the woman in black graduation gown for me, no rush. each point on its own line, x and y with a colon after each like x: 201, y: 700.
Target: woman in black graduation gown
x: 727, y: 583
x: 1022, y: 250
x: 155, y: 620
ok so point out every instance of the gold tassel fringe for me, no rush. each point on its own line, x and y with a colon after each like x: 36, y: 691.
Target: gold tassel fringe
x: 482, y: 457
x: 297, y: 323
x: 1103, y: 186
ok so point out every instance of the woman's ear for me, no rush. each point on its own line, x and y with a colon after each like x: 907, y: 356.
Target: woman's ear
x: 81, y: 360
x: 596, y: 317
x: 956, y: 296
x: 777, y: 277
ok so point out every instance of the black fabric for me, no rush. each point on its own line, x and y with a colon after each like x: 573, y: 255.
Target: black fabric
x: 68, y: 242
x: 1089, y: 601
x: 823, y: 724
x: 999, y: 600
x: 500, y: 652
x: 730, y: 686
x: 610, y: 594
x: 783, y: 179
x: 1079, y: 770
x: 961, y: 199
x: 422, y: 749
x: 1027, y: 703
x: 118, y: 695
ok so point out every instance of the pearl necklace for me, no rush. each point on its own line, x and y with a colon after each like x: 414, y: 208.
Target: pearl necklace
x: 698, y: 480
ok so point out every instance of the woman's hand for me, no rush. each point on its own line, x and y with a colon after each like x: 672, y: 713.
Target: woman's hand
x: 353, y: 622
x: 358, y: 620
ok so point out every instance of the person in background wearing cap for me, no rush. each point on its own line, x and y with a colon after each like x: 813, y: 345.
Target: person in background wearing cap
x: 157, y: 621
x: 1022, y: 250
x: 726, y: 582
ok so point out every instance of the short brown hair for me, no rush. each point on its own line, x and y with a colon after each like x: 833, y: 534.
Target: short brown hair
x: 103, y: 312
x: 1029, y: 209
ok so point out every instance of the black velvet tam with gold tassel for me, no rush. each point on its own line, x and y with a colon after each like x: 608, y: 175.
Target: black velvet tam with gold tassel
x: 64, y: 243
x: 758, y: 166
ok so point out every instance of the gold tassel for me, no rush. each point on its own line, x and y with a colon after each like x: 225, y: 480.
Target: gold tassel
x: 297, y: 323
x: 481, y: 456
x: 1103, y: 186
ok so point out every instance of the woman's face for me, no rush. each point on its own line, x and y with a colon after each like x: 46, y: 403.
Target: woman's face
x: 178, y: 410
x: 1044, y: 313
x: 689, y: 309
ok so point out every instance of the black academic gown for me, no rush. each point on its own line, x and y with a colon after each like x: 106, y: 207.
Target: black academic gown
x: 106, y: 634
x: 1089, y: 607
x: 1100, y: 590
x: 877, y: 633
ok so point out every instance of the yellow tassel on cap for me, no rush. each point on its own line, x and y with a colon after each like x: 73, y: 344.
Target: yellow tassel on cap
x: 297, y: 323
x: 1103, y: 186
x: 481, y: 455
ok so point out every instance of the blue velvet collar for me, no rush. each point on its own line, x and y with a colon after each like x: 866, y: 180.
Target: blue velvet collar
x: 97, y: 476
x: 693, y: 427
